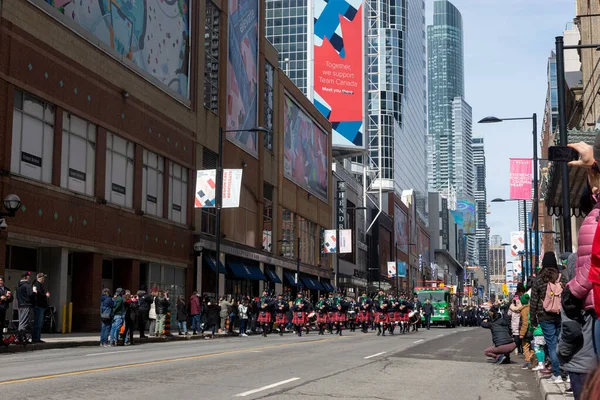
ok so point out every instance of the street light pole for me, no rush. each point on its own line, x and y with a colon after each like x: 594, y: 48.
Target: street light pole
x: 527, y: 264
x: 536, y: 198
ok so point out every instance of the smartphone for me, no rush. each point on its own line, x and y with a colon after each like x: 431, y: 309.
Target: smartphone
x: 562, y: 154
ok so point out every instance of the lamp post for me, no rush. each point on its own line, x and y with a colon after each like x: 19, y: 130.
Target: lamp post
x: 219, y: 195
x: 527, y: 266
x: 536, y: 199
x: 11, y: 204
x: 337, y: 237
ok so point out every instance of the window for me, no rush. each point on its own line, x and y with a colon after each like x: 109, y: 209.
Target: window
x: 211, y: 61
x: 288, y: 239
x: 178, y: 189
x: 209, y: 215
x: 243, y: 219
x: 119, y: 170
x: 269, y: 75
x: 152, y: 183
x: 308, y: 240
x: 32, y: 137
x: 78, y: 165
x: 267, y: 242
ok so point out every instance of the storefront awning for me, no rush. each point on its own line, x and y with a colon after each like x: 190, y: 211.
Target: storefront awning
x: 246, y: 271
x: 328, y: 286
x: 211, y: 263
x: 272, y: 276
x: 312, y: 283
x: 289, y: 277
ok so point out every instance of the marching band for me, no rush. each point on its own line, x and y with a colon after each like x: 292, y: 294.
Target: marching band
x: 335, y: 313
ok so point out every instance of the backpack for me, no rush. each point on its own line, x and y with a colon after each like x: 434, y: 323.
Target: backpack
x: 552, y: 301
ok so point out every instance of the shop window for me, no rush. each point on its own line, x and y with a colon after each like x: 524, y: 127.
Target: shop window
x: 211, y: 58
x: 32, y: 137
x: 288, y: 238
x: 165, y: 277
x: 152, y: 183
x: 209, y: 215
x: 78, y: 163
x: 119, y: 170
x: 308, y: 240
x: 267, y: 242
x: 178, y: 189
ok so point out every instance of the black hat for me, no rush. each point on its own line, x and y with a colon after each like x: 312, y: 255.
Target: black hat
x: 25, y: 274
x: 549, y: 260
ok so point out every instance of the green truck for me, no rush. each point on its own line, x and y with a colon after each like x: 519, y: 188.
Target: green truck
x: 444, y: 309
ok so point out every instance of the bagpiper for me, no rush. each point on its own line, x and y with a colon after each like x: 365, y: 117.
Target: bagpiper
x: 352, y: 315
x: 381, y: 313
x: 281, y: 307
x: 322, y: 309
x: 264, y: 313
x: 300, y: 309
x: 404, y: 309
x: 393, y: 313
x: 339, y: 313
x: 364, y: 312
x: 330, y: 311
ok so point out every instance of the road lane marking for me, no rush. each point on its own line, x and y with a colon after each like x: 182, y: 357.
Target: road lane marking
x: 110, y: 352
x: 374, y: 355
x: 271, y: 386
x: 171, y: 360
x: 419, y: 341
x: 256, y: 351
x: 440, y: 335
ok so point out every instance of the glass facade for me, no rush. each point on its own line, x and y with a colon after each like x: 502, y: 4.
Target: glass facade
x: 481, y: 232
x: 553, y: 92
x: 461, y: 172
x: 445, y: 83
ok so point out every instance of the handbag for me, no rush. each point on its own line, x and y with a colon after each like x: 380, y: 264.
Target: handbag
x: 106, y: 315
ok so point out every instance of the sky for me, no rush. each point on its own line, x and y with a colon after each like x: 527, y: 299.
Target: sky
x: 507, y: 45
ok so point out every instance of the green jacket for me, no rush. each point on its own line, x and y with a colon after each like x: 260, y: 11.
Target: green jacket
x: 118, y: 308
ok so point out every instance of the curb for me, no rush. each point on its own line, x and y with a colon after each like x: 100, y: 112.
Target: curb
x: 96, y: 342
x: 551, y: 391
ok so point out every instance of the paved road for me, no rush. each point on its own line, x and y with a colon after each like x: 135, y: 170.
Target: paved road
x: 437, y: 364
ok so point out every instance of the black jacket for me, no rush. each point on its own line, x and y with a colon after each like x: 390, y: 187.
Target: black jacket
x: 499, y: 328
x: 162, y: 305
x: 536, y: 309
x: 213, y: 314
x: 181, y: 311
x: 4, y: 304
x: 25, y: 295
x: 145, y: 301
x: 40, y: 298
x: 428, y: 309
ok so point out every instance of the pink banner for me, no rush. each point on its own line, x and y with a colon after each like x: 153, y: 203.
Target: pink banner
x: 520, y: 178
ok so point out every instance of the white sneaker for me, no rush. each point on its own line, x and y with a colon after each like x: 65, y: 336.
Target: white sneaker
x: 538, y: 368
x: 243, y: 334
x: 568, y: 378
x: 556, y: 379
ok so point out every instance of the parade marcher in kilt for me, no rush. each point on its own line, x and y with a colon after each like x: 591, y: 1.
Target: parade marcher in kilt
x: 393, y: 313
x: 404, y: 309
x: 381, y: 313
x: 417, y: 307
x: 339, y: 313
x: 300, y: 309
x: 281, y: 307
x: 309, y: 310
x: 364, y: 312
x: 330, y: 310
x: 352, y: 314
x: 322, y: 309
x: 264, y: 313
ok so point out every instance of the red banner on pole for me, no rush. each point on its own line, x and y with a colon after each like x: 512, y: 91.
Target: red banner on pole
x: 520, y: 178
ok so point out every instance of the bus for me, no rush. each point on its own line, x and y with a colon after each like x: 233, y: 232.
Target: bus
x: 442, y: 299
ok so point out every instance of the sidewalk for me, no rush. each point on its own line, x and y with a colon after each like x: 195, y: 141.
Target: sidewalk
x: 60, y: 341
x: 552, y: 391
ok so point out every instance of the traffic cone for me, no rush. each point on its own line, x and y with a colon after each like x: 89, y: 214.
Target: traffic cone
x: 227, y: 324
x: 167, y: 330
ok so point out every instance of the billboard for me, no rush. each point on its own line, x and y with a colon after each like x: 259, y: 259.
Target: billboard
x: 153, y: 34
x: 206, y: 184
x: 305, y: 151
x: 338, y: 68
x: 329, y: 241
x: 391, y: 269
x: 520, y: 178
x: 401, y: 268
x: 464, y: 216
x: 242, y: 74
x: 401, y: 228
x: 345, y: 241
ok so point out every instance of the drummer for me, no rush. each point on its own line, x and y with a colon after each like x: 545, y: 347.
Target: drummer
x: 322, y: 307
x: 300, y: 309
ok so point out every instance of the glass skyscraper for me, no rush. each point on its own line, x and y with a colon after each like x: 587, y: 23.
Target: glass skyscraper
x: 445, y: 83
x: 481, y: 232
x: 395, y: 85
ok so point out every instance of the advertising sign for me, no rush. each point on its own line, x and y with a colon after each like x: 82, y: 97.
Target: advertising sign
x: 206, y: 187
x: 305, y: 151
x: 401, y: 268
x: 153, y: 34
x: 445, y: 224
x: 520, y: 178
x: 242, y: 74
x: 391, y: 269
x: 341, y: 204
x: 517, y: 243
x: 401, y: 228
x: 464, y: 216
x: 329, y: 241
x: 345, y: 241
x: 338, y: 68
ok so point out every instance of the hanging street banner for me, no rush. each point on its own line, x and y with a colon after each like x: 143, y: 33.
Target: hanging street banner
x: 401, y: 269
x: 345, y: 241
x: 329, y: 241
x: 391, y: 269
x: 517, y: 243
x: 206, y: 184
x: 520, y: 179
